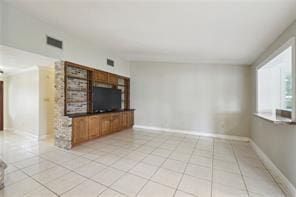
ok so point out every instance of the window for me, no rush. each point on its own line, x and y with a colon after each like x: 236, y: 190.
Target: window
x: 275, y: 78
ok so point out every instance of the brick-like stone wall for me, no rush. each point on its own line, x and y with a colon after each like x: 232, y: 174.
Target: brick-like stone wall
x: 76, y: 91
x: 3, y: 166
x: 77, y: 72
x: 62, y: 123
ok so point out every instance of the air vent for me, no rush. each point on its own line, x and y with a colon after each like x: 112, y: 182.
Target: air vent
x: 54, y: 42
x: 110, y: 62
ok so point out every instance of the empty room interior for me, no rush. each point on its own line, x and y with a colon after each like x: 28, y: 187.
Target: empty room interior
x: 147, y: 98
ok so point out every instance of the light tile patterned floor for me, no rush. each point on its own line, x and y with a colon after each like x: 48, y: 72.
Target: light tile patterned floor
x: 135, y: 163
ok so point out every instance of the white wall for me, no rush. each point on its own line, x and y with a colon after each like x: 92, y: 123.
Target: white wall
x: 1, y: 18
x: 23, y: 102
x: 202, y: 98
x: 277, y: 142
x: 24, y: 32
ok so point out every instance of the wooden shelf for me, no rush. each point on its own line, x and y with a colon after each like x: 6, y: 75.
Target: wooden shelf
x: 73, y: 90
x: 79, y: 78
x: 100, y: 81
x: 72, y: 101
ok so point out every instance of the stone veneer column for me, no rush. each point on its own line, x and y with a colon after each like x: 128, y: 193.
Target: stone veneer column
x: 62, y: 124
x: 2, y: 173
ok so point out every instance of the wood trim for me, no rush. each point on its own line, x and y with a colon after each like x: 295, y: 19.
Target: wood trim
x: 91, y: 69
x: 67, y: 63
x: 89, y: 92
x: 65, y: 89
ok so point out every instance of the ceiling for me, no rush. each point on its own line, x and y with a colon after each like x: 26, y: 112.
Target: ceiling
x: 227, y: 32
x: 14, y: 60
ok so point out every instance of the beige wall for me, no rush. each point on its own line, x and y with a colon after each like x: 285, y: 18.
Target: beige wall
x: 277, y: 142
x: 46, y: 101
x: 201, y: 98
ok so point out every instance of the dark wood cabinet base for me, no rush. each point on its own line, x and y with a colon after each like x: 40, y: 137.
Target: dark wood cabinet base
x: 88, y: 127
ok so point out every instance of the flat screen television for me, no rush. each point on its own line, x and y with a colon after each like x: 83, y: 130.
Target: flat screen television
x: 106, y: 99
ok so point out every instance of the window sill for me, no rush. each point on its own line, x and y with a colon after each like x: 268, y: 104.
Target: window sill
x: 276, y: 119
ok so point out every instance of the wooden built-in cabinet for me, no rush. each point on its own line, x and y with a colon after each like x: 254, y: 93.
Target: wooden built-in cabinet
x: 80, y: 130
x: 93, y: 126
x: 124, y: 120
x: 105, y: 121
x: 101, y: 76
x: 105, y: 77
x: 112, y: 79
x: 78, y: 102
x: 131, y: 119
x: 116, y: 122
x: 79, y: 75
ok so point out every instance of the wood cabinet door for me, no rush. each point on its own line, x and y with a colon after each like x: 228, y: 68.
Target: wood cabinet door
x: 94, y: 127
x: 96, y: 75
x: 105, y: 122
x: 115, y: 123
x: 101, y: 76
x: 112, y: 79
x: 80, y: 130
x: 124, y: 120
x: 130, y: 119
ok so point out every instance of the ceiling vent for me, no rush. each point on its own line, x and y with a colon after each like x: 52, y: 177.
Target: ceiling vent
x: 54, y: 42
x: 110, y: 62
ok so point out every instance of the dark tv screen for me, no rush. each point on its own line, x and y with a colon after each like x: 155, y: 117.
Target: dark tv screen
x: 106, y: 99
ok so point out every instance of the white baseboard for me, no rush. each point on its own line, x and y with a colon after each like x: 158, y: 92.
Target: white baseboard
x: 26, y: 134
x: 284, y: 183
x: 43, y: 137
x: 8, y: 129
x: 29, y: 135
x: 228, y: 137
x: 23, y: 133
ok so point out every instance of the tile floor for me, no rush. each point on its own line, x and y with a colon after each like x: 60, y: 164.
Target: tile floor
x: 135, y: 163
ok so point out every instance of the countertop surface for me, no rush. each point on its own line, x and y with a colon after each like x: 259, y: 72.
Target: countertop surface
x: 98, y: 113
x: 275, y: 118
